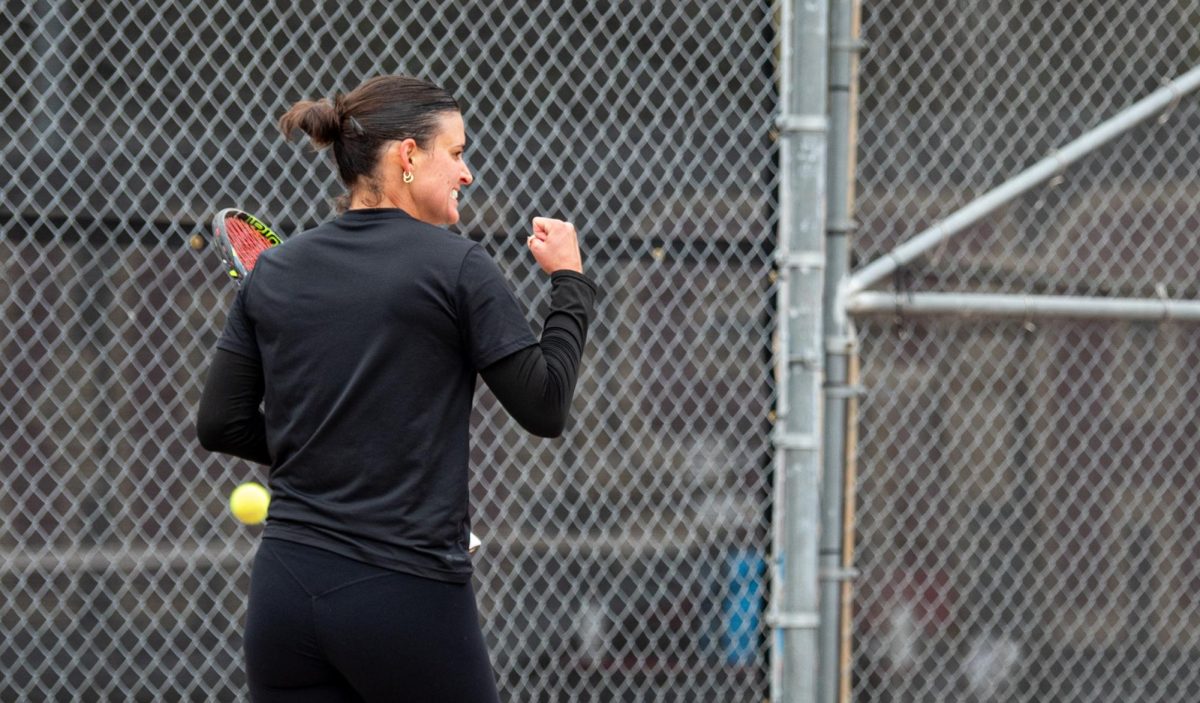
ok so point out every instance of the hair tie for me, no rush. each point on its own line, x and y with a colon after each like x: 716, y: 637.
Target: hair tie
x: 358, y: 128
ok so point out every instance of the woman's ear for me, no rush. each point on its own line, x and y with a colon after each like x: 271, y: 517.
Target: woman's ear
x: 400, y: 154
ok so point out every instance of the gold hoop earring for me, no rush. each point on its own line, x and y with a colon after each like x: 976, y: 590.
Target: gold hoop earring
x: 408, y: 177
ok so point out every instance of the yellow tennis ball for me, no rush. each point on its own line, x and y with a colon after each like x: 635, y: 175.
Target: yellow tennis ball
x: 249, y: 502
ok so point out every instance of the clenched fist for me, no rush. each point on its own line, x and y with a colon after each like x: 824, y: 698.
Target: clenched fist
x: 555, y: 245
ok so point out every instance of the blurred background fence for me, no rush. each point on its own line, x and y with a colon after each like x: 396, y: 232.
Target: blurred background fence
x: 1027, y: 527
x: 1027, y: 512
x: 621, y: 562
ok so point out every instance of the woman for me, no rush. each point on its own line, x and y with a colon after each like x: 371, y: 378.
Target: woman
x: 362, y: 339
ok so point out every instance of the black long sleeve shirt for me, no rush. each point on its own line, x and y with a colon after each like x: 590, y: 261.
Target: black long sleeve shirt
x: 363, y: 339
x: 535, y: 385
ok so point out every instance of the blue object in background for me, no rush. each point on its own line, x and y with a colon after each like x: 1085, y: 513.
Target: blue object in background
x: 742, y: 606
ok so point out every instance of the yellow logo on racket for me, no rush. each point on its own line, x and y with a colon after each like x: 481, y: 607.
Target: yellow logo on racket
x: 263, y: 229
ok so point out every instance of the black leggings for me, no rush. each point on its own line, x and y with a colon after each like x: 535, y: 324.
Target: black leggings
x: 322, y: 627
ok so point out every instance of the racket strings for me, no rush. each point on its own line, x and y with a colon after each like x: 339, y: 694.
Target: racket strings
x: 246, y: 241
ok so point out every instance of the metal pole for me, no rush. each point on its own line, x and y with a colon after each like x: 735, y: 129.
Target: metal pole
x: 838, y: 346
x: 802, y: 126
x: 989, y: 305
x: 1043, y: 170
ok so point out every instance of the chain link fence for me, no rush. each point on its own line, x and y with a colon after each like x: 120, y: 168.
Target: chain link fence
x: 623, y: 562
x: 1027, y: 520
x: 1027, y: 526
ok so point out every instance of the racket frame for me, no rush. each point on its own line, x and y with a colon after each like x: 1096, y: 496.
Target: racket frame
x: 235, y: 267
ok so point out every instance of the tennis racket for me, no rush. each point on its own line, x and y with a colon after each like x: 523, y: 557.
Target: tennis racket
x: 240, y: 237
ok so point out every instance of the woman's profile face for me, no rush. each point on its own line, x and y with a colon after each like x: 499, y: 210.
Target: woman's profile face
x: 439, y: 172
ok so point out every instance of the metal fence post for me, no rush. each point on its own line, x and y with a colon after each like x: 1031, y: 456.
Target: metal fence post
x: 802, y: 124
x: 839, y: 344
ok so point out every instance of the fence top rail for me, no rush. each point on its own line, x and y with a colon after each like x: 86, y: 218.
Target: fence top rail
x: 988, y: 305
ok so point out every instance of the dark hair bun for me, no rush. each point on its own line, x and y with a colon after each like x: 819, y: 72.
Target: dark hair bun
x: 317, y: 118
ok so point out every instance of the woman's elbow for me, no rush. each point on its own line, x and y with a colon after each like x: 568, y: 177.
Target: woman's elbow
x: 210, y: 433
x: 548, y: 427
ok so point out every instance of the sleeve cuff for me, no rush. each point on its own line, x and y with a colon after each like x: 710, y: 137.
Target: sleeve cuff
x: 575, y: 275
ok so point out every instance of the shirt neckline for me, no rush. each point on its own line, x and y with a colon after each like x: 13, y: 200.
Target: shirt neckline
x: 376, y: 213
